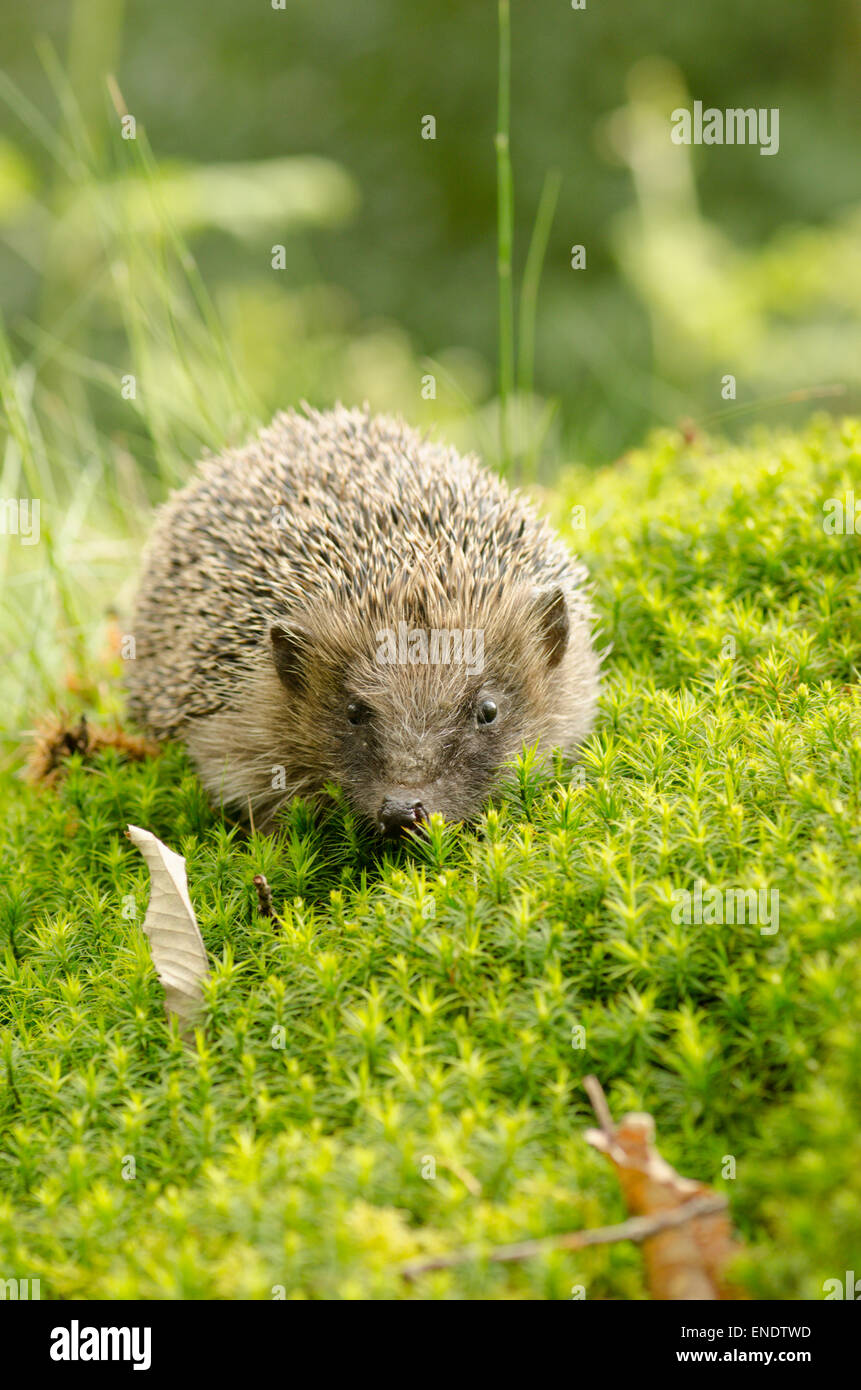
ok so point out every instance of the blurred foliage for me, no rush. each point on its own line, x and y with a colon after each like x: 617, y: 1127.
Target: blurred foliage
x: 145, y: 323
x: 427, y: 994
x: 701, y: 262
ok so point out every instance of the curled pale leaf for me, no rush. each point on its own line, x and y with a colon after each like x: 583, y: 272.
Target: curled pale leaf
x: 177, y: 948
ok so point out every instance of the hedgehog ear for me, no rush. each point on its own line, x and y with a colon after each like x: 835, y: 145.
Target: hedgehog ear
x: 289, y: 645
x: 551, y: 612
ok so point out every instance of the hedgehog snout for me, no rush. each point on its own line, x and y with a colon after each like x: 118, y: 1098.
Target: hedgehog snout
x: 398, y: 814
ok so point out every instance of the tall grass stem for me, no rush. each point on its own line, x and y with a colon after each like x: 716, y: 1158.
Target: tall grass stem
x: 505, y: 236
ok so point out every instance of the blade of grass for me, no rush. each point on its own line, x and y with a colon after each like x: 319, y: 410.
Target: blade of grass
x: 532, y: 279
x: 505, y: 235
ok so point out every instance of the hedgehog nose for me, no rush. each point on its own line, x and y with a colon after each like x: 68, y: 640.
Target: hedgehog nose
x: 396, y: 815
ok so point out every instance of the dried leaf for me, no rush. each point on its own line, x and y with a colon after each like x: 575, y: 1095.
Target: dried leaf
x: 682, y: 1224
x: 178, y: 952
x: 686, y: 1261
x: 55, y: 738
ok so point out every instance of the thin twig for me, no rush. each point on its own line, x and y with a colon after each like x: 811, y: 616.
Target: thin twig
x: 636, y: 1228
x: 470, y: 1182
x: 595, y: 1092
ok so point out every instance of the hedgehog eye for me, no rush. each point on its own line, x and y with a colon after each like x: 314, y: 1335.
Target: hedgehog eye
x: 357, y: 712
x: 486, y: 712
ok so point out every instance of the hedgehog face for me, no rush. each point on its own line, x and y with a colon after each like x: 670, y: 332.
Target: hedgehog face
x: 413, y: 720
x: 425, y: 743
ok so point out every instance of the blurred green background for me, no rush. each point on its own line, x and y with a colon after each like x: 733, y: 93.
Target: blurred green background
x: 151, y: 258
x: 700, y: 261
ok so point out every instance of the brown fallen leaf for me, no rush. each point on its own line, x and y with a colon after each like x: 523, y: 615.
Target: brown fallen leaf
x: 683, y: 1225
x: 684, y: 1261
x: 56, y: 738
x: 177, y: 948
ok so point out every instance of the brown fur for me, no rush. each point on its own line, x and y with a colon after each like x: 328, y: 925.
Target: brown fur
x: 380, y: 527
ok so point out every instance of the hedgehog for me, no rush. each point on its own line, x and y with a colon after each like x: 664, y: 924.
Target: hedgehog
x: 344, y: 601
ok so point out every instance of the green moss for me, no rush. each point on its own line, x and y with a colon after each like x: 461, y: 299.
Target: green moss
x: 428, y: 1001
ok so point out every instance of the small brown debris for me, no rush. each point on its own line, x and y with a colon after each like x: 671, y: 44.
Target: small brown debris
x: 264, y: 896
x: 56, y: 738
